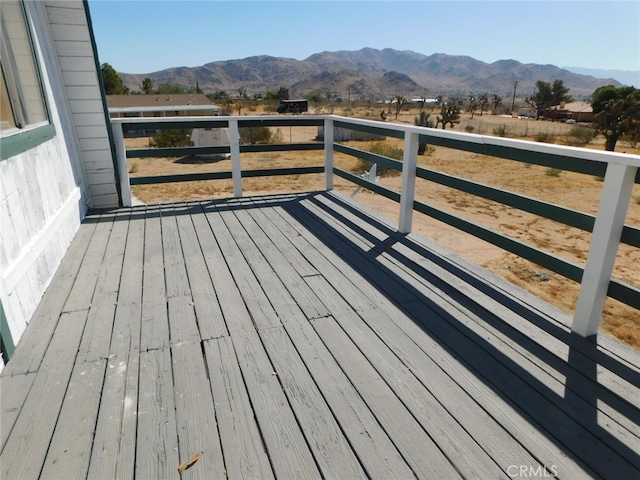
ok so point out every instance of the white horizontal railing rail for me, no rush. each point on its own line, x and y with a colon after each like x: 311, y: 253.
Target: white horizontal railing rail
x: 620, y: 172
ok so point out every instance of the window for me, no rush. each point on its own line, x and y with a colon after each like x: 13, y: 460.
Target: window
x: 24, y: 119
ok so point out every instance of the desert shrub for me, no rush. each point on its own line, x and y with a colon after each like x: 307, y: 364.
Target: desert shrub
x: 580, y: 135
x: 500, y: 131
x: 469, y: 128
x: 133, y: 168
x: 253, y: 135
x: 553, y: 172
x: 170, y: 138
x: 386, y: 150
x: 543, y: 137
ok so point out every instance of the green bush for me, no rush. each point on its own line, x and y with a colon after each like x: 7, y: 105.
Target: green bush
x: 580, y: 135
x: 500, y: 131
x: 544, y: 138
x: 386, y: 150
x: 171, y: 138
x: 553, y: 172
x: 253, y: 135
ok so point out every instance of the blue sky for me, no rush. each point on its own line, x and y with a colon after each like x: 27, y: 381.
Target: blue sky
x: 144, y: 36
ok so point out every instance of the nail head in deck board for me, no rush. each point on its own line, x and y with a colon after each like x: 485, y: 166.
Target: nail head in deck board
x: 24, y: 452
x: 13, y: 391
x: 157, y: 437
x: 372, y: 445
x: 45, y: 319
x: 244, y: 451
x: 195, y: 413
x: 418, y: 449
x: 70, y: 450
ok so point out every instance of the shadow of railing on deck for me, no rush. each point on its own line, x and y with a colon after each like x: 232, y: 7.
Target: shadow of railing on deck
x: 569, y: 420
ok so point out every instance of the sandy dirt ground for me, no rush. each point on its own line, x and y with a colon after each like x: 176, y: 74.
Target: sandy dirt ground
x: 575, y: 191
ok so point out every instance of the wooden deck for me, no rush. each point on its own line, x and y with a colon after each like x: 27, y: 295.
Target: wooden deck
x: 297, y: 336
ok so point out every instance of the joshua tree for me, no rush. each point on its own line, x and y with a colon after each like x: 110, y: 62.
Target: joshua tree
x: 449, y: 114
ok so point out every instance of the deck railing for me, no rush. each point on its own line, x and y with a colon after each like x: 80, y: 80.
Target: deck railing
x: 620, y: 172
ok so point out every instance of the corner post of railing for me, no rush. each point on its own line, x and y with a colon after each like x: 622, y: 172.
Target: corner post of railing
x: 121, y: 160
x: 409, y: 163
x: 614, y: 202
x: 328, y: 153
x: 234, y: 147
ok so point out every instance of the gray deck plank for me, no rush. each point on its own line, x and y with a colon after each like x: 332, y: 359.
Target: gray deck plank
x: 155, y: 322
x: 254, y: 297
x: 300, y: 336
x: 157, y: 438
x: 377, y: 453
x: 97, y: 334
x: 330, y: 448
x: 24, y: 452
x: 83, y: 288
x: 176, y: 278
x: 13, y: 391
x: 70, y: 450
x: 195, y: 413
x: 113, y: 453
x: 563, y: 386
x: 209, y: 316
x: 289, y: 453
x: 281, y: 256
x: 245, y: 455
x: 419, y: 450
x: 525, y: 396
x: 519, y: 428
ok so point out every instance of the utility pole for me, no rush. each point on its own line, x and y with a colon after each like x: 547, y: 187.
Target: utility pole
x: 513, y: 100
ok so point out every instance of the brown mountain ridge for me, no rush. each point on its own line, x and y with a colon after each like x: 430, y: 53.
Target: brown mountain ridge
x: 371, y: 74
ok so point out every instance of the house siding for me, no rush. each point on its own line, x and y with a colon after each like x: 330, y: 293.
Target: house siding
x: 46, y: 190
x: 72, y: 42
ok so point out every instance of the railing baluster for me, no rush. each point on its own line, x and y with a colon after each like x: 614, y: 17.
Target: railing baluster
x: 409, y: 162
x: 123, y: 169
x: 328, y: 153
x: 234, y: 146
x: 616, y: 196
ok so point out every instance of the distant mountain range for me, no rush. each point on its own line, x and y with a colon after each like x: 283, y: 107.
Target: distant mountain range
x: 372, y: 74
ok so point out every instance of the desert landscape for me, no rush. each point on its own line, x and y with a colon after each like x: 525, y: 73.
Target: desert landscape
x: 572, y: 190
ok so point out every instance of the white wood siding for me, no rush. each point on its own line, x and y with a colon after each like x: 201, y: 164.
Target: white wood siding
x: 70, y: 33
x: 46, y: 191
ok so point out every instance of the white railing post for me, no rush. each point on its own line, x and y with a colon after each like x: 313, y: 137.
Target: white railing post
x: 616, y: 196
x: 328, y: 153
x: 409, y: 162
x: 123, y: 169
x: 234, y: 147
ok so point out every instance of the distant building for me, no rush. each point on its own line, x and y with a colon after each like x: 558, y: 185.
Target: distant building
x: 167, y: 105
x: 576, y: 111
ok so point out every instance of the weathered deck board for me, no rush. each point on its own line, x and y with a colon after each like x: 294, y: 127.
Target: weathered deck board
x: 545, y: 362
x: 297, y: 336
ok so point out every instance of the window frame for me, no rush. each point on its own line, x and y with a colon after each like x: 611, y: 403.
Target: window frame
x: 23, y: 137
